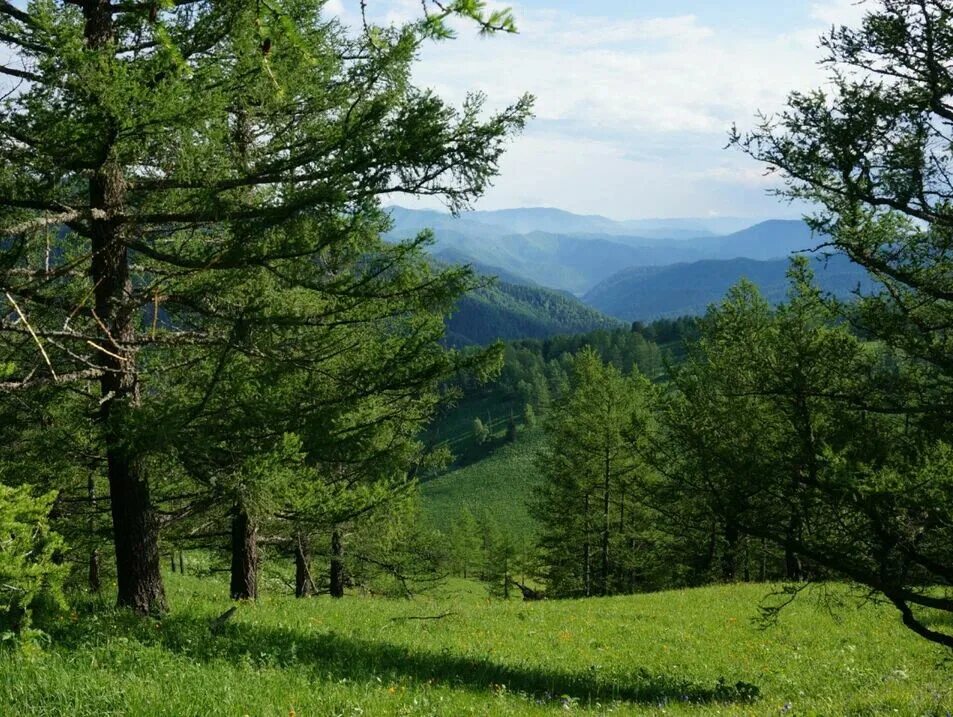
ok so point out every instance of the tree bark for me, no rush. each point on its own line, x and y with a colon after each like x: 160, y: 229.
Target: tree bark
x: 304, y: 585
x: 95, y: 582
x: 93, y: 575
x: 604, y: 578
x: 135, y: 526
x: 244, y: 583
x: 729, y: 557
x: 792, y: 562
x: 586, y: 550
x: 337, y: 565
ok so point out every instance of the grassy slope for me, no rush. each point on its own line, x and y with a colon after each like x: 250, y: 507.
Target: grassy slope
x: 624, y: 656
x: 500, y: 484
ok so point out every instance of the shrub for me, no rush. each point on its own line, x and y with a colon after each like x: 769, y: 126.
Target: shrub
x: 30, y: 578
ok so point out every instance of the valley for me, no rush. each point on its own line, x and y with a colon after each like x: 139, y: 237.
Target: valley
x: 638, y: 270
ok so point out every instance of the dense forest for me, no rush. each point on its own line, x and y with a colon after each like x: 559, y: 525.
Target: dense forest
x: 226, y: 381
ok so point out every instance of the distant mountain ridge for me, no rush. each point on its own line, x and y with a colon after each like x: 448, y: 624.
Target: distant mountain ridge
x: 558, y: 221
x: 649, y: 293
x: 577, y: 262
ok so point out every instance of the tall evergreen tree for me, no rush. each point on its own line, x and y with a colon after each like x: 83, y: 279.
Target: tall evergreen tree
x: 588, y: 505
x: 159, y: 162
x: 871, y: 153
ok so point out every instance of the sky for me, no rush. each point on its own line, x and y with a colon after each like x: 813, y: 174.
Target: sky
x: 634, y: 98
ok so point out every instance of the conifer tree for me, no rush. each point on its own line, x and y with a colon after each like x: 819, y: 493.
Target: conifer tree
x: 177, y: 180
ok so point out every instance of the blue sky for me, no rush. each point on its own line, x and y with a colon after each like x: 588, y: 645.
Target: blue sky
x: 634, y: 97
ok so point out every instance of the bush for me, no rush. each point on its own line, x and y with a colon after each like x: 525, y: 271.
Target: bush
x: 30, y: 578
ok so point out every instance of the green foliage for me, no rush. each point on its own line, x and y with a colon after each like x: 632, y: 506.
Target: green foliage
x: 480, y: 432
x: 195, y: 251
x: 505, y: 311
x: 529, y: 416
x: 770, y: 433
x: 31, y: 577
x: 499, y: 485
x: 588, y: 505
x: 465, y: 544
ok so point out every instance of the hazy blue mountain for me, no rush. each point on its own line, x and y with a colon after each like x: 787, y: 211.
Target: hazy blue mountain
x: 556, y: 221
x: 687, y: 228
x: 768, y: 240
x: 647, y: 293
x: 582, y: 253
x: 453, y: 256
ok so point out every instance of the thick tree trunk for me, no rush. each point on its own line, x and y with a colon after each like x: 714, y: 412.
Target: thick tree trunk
x: 244, y: 583
x: 135, y: 527
x: 136, y: 535
x: 337, y: 565
x: 304, y: 585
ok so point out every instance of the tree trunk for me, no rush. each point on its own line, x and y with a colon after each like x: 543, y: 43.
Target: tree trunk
x: 729, y: 557
x: 135, y: 526
x: 763, y: 565
x: 95, y: 582
x: 747, y: 560
x: 304, y: 585
x: 604, y: 578
x: 792, y: 562
x: 172, y: 560
x: 586, y: 557
x: 506, y: 578
x: 182, y: 562
x: 244, y: 584
x: 136, y: 536
x: 337, y: 565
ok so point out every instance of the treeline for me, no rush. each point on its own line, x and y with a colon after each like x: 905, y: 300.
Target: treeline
x: 783, y: 448
x: 537, y: 371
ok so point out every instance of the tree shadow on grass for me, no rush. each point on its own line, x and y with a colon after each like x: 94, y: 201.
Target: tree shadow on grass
x: 335, y: 656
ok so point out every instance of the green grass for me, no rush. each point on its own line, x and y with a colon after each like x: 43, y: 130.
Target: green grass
x: 454, y: 428
x: 682, y: 650
x: 500, y: 484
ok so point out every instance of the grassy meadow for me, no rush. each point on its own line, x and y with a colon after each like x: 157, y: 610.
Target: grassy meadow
x: 692, y: 652
x: 501, y: 485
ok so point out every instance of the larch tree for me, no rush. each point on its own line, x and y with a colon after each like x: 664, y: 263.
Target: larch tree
x: 588, y: 503
x: 871, y: 153
x: 158, y: 160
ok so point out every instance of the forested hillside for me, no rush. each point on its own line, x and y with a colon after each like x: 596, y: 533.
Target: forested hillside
x: 512, y: 311
x: 647, y: 293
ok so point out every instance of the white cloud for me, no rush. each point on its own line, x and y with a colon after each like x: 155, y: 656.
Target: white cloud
x: 632, y: 114
x: 839, y: 12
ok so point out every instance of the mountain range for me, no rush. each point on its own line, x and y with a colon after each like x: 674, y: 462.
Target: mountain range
x: 566, y: 273
x: 657, y: 292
